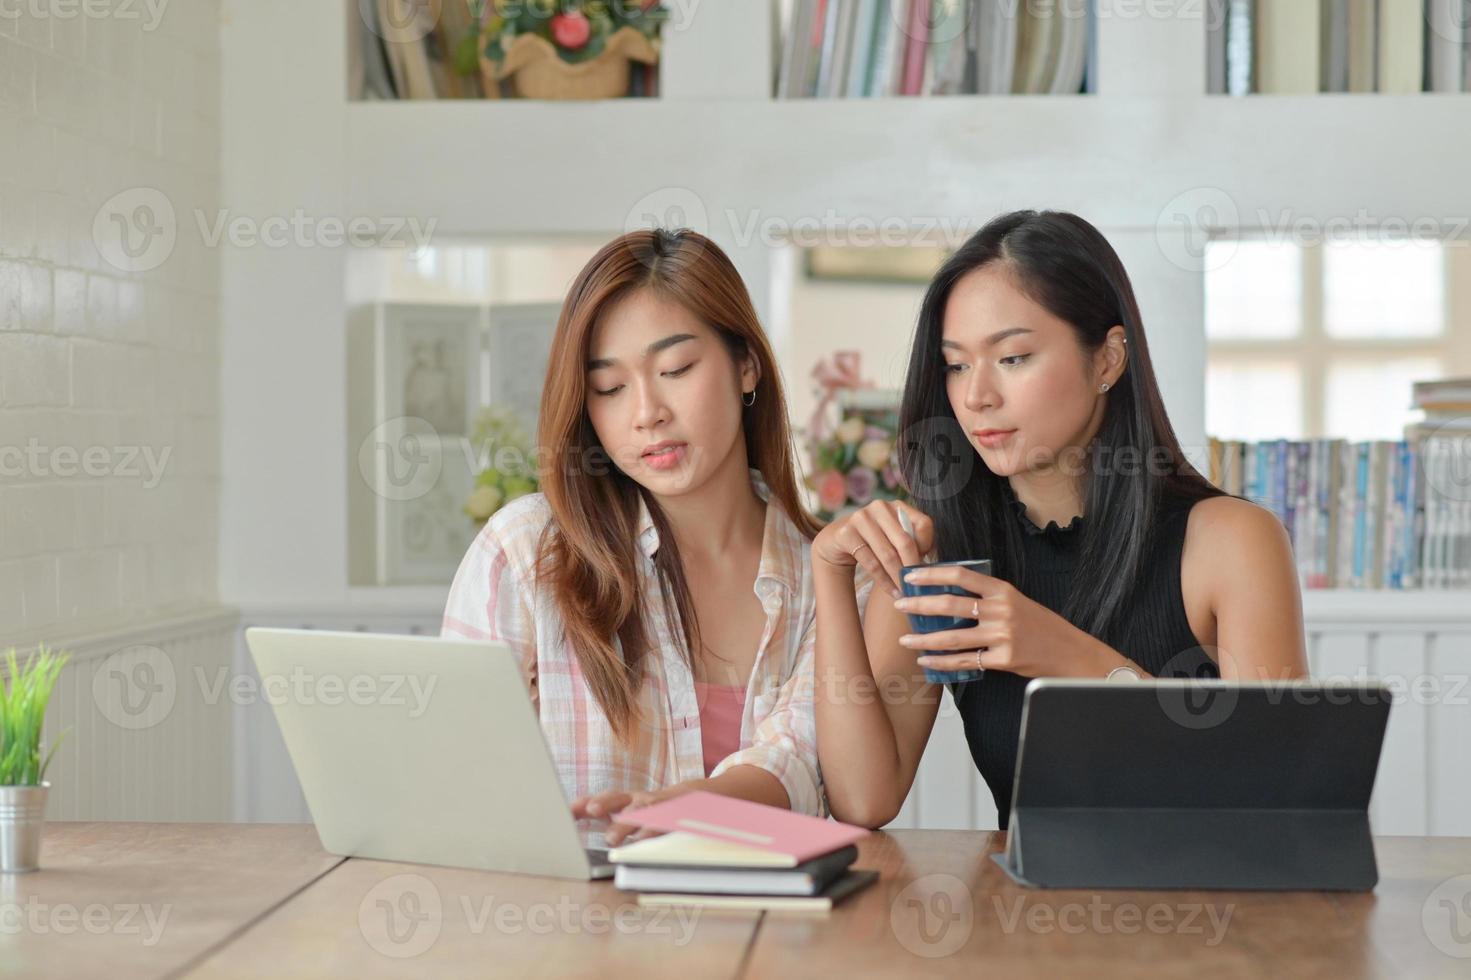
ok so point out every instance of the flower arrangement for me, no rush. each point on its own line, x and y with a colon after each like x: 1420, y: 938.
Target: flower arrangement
x: 23, y: 703
x: 857, y: 462
x: 507, y: 470
x: 579, y: 30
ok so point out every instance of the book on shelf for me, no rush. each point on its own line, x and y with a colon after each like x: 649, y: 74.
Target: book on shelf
x: 400, y: 49
x: 402, y: 32
x: 1445, y: 400
x: 876, y: 48
x: 1363, y: 45
x: 1383, y: 514
x: 865, y: 35
x: 1447, y: 45
x: 919, y: 51
x: 1333, y: 59
x: 1232, y: 30
x: 1401, y: 46
x: 1299, y: 47
x: 369, y: 78
x: 1288, y: 46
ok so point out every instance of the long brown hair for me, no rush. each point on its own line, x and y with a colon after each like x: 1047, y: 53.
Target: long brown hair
x: 588, y: 557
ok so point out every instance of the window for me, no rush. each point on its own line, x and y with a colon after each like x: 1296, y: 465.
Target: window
x: 1322, y: 340
x: 1384, y: 290
x: 1254, y: 396
x: 1256, y: 294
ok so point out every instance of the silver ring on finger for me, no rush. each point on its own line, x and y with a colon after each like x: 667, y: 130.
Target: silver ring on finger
x: 978, y: 660
x: 975, y: 609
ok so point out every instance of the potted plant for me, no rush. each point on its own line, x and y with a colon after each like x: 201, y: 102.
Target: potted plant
x: 23, y: 698
x: 569, y: 49
x: 505, y: 467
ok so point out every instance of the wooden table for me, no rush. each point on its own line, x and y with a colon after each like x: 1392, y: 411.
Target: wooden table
x: 146, y: 899
x: 223, y: 900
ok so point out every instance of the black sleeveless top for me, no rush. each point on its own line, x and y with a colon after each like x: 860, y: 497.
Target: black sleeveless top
x: 1154, y: 632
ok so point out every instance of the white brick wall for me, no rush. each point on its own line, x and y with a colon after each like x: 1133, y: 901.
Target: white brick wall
x: 93, y: 357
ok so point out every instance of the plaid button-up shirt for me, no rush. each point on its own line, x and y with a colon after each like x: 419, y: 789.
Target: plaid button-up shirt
x: 495, y: 597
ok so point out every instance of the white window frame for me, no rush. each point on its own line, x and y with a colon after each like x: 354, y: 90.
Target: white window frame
x: 1313, y: 350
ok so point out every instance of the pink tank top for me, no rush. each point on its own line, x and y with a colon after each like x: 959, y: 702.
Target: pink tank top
x: 721, y: 707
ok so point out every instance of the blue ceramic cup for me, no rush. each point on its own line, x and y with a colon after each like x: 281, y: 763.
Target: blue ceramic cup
x: 937, y: 624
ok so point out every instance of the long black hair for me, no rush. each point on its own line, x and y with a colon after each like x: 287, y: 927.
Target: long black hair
x: 1066, y: 265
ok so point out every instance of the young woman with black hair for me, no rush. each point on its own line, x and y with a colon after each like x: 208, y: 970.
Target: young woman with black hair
x: 1033, y: 434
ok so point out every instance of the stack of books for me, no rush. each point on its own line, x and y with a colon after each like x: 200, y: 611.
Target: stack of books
x: 837, y: 49
x: 1443, y: 441
x: 1306, y: 46
x: 725, y: 853
x: 1446, y: 404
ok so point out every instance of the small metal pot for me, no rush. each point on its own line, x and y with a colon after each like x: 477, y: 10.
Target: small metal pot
x: 22, y: 820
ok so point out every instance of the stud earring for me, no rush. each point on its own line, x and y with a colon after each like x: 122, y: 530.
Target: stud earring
x: 1103, y: 387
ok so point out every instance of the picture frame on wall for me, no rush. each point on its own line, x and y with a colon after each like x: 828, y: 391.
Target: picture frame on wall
x: 425, y: 536
x: 518, y: 343
x: 432, y: 364
x: 428, y: 382
x: 905, y: 265
x: 433, y: 367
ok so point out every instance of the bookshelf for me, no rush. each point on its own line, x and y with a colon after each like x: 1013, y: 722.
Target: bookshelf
x: 1215, y: 48
x: 1363, y: 47
x: 480, y: 169
x: 720, y: 148
x: 869, y: 48
x: 1363, y: 515
x: 1149, y: 134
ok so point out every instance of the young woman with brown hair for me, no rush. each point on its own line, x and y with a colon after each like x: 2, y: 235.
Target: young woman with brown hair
x: 658, y: 591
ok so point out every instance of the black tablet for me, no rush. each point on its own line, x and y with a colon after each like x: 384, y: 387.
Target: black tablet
x: 1196, y: 784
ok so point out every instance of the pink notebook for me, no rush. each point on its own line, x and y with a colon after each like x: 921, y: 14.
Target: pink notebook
x: 757, y: 825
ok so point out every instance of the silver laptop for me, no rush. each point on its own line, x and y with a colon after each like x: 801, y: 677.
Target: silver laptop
x: 420, y: 749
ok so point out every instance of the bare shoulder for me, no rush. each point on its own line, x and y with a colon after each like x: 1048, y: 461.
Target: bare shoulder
x: 1233, y: 539
x: 1239, y: 562
x: 1236, y: 555
x: 1224, y: 519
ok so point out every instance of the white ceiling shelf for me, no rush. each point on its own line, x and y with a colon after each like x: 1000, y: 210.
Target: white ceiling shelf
x: 1120, y: 157
x: 1120, y: 160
